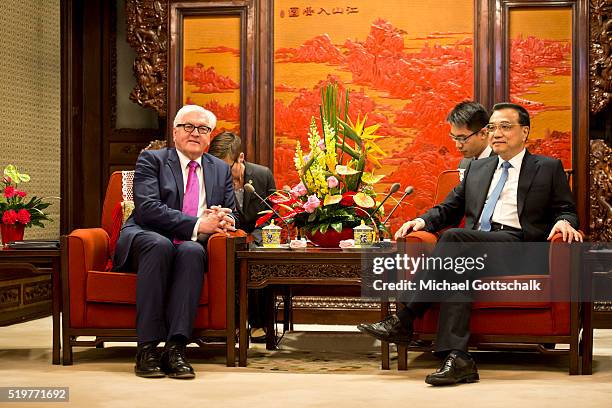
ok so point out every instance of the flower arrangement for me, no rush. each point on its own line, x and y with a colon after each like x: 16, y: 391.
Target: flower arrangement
x: 337, y: 174
x: 15, y: 208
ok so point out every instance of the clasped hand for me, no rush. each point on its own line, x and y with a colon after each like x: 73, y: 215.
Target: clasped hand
x: 216, y: 219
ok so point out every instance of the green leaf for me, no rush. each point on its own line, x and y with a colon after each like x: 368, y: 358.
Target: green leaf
x: 324, y: 228
x: 350, y: 132
x: 337, y: 226
x: 312, y: 217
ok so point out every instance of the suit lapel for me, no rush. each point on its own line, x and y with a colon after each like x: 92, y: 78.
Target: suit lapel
x: 529, y: 168
x: 208, y: 173
x: 175, y: 167
x: 484, y: 180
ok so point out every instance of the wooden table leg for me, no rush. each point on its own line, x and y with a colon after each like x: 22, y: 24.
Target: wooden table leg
x: 244, y: 301
x: 56, y: 307
x: 402, y: 357
x: 384, y: 346
x: 587, y: 339
x: 269, y: 296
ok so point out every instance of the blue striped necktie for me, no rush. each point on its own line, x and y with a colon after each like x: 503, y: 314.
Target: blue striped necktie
x: 487, y: 212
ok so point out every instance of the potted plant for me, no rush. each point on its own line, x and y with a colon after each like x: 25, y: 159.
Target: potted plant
x: 17, y: 211
x: 337, y: 178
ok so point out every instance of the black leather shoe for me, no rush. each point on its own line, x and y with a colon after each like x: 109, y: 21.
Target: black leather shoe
x: 174, y: 363
x: 148, y: 362
x: 457, y: 367
x: 390, y: 329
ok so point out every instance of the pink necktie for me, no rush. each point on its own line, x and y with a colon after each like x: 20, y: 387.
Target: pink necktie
x: 191, y: 200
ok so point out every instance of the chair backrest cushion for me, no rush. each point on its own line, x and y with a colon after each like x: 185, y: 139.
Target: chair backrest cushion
x: 116, y: 193
x: 447, y: 180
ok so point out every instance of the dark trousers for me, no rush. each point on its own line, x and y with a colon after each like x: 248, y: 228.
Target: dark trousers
x: 455, y: 307
x: 168, y: 285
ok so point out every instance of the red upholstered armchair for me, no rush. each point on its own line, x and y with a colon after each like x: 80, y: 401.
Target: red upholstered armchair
x: 100, y: 303
x: 535, y: 326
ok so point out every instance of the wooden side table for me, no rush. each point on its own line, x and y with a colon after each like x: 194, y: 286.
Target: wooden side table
x: 597, y: 272
x: 260, y: 268
x: 29, y: 284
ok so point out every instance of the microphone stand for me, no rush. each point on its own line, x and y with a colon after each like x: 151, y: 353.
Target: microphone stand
x: 249, y: 187
x: 407, y: 192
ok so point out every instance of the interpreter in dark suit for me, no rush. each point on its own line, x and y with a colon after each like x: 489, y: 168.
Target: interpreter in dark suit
x: 228, y: 147
x: 178, y: 193
x: 526, y: 197
x: 467, y: 121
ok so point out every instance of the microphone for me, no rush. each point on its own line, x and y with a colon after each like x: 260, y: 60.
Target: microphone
x: 394, y: 187
x: 407, y: 192
x: 249, y: 188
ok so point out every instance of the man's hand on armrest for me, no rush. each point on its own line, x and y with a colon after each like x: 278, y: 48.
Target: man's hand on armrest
x: 412, y: 225
x: 209, y: 223
x: 226, y: 221
x: 565, y: 228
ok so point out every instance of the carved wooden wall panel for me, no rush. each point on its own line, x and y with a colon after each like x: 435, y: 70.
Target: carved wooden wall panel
x: 147, y: 33
x: 601, y: 191
x: 600, y: 50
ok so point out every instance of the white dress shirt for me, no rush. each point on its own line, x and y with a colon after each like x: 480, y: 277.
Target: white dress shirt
x: 506, y: 209
x: 184, y: 160
x: 485, y: 153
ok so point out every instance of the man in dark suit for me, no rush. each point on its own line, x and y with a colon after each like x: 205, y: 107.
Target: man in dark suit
x: 228, y: 147
x: 467, y: 121
x: 178, y: 193
x: 525, y: 197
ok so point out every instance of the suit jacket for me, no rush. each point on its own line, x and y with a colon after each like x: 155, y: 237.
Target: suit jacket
x: 464, y: 163
x: 543, y: 197
x: 158, y: 197
x: 263, y: 183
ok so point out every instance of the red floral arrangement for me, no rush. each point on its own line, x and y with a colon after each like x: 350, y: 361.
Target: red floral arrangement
x: 15, y: 208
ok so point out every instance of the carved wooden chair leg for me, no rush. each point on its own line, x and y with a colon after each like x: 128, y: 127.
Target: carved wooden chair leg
x: 67, y: 346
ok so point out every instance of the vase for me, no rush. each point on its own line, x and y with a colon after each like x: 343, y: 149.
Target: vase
x: 11, y: 232
x: 331, y: 238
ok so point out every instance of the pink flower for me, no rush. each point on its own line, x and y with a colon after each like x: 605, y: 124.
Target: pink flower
x: 21, y: 193
x: 9, y: 191
x: 321, y: 144
x: 9, y: 217
x: 332, y: 182
x: 6, y: 180
x: 312, y: 204
x: 23, y: 216
x: 299, y: 190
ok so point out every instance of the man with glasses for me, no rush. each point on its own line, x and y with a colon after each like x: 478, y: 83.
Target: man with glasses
x: 179, y: 192
x: 513, y: 197
x: 228, y: 147
x: 467, y: 121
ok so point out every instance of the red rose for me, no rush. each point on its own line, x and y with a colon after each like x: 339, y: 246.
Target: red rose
x: 9, y: 191
x: 9, y: 217
x: 23, y: 216
x: 21, y: 194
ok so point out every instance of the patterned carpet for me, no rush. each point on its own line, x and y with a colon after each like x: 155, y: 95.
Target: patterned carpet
x: 318, y: 352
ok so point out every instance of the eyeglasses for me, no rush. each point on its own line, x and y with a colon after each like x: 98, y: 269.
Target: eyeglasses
x: 463, y: 139
x: 504, y: 127
x: 189, y: 128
